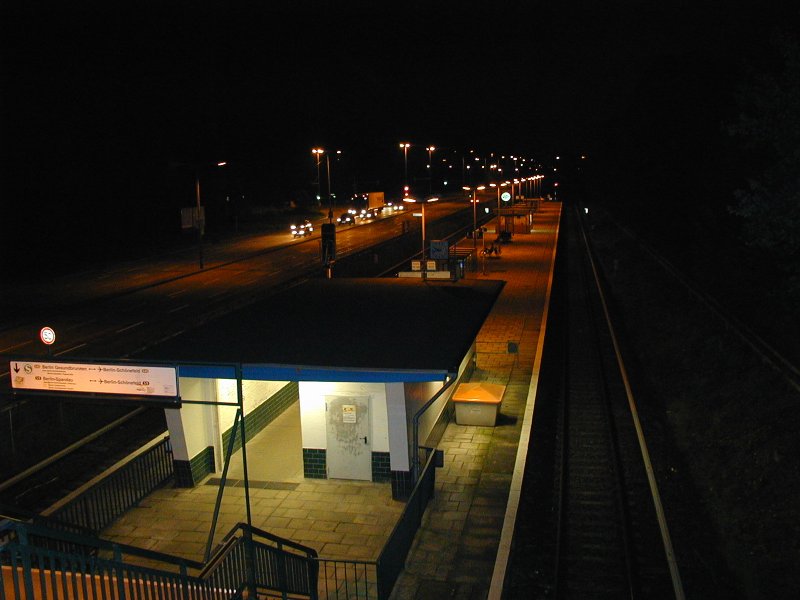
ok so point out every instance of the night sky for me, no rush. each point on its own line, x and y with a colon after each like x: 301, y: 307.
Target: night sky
x: 105, y: 107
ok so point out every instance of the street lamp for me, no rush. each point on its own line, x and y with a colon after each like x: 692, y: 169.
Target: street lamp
x: 430, y: 150
x: 422, y: 204
x: 405, y: 146
x: 495, y: 185
x: 474, y: 214
x: 201, y: 221
x: 317, y: 152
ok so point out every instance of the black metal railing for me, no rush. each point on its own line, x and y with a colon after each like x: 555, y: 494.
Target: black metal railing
x: 367, y: 580
x: 272, y: 564
x: 248, y: 559
x: 101, y: 504
x: 393, y: 556
x: 346, y: 579
x: 32, y: 571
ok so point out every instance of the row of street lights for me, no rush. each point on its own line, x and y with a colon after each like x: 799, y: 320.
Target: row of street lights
x: 404, y: 146
x: 519, y: 163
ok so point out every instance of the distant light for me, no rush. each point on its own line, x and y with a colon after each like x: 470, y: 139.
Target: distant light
x: 586, y: 210
x: 222, y: 164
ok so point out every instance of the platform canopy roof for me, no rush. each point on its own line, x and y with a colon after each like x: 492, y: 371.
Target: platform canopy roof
x: 340, y: 330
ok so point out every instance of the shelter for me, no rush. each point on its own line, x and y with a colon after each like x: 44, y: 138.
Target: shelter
x: 372, y: 363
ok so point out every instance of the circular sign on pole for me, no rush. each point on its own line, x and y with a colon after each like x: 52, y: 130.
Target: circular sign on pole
x: 47, y: 335
x: 505, y: 196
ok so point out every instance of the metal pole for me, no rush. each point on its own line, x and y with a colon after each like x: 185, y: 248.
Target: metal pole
x: 430, y: 172
x: 330, y: 196
x: 405, y: 165
x: 474, y: 221
x: 200, y: 221
x: 217, y: 504
x: 319, y: 192
x: 249, y: 550
x: 423, y: 234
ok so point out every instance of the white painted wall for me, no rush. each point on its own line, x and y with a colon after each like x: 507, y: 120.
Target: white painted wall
x: 192, y: 427
x: 399, y: 459
x: 417, y: 394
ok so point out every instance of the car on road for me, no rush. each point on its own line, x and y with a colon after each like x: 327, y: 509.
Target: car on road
x: 302, y: 228
x: 346, y: 218
x: 370, y: 213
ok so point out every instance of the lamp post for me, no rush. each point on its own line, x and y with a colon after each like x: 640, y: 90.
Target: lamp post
x: 474, y: 214
x: 430, y: 150
x: 405, y: 146
x: 201, y: 220
x: 496, y: 185
x: 317, y: 152
x: 422, y: 204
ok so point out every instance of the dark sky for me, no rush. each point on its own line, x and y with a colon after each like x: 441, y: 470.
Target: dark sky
x: 101, y: 104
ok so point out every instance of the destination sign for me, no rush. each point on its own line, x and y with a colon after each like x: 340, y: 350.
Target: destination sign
x: 107, y: 379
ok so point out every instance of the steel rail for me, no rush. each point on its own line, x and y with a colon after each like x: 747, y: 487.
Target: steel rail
x: 659, y: 508
x: 69, y: 449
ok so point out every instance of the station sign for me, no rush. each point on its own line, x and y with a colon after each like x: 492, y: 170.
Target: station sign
x: 105, y: 379
x: 439, y: 250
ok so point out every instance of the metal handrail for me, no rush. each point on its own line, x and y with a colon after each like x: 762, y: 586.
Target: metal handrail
x: 105, y: 501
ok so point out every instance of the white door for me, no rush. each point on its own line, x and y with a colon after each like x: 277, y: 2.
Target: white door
x: 349, y: 454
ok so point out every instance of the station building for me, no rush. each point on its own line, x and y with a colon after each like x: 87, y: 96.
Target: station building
x: 371, y: 364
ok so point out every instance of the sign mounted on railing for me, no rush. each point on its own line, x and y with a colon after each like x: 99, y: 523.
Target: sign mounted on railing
x: 142, y: 381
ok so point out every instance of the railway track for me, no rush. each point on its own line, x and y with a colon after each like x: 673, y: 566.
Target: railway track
x: 590, y: 524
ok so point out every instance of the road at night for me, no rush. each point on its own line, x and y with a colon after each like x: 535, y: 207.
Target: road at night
x: 116, y: 311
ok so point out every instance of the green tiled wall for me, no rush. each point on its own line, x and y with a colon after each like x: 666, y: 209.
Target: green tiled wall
x: 380, y: 466
x: 190, y: 473
x: 314, y: 463
x: 267, y: 412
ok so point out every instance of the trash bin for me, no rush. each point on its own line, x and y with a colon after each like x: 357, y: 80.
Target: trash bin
x: 478, y: 403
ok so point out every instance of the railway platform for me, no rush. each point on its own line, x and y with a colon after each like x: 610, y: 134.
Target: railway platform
x: 462, y: 547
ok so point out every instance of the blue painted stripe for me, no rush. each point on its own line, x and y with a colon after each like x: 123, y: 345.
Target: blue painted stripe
x: 306, y: 373
x: 207, y: 371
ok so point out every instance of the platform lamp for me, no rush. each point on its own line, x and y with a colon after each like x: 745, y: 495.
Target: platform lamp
x: 474, y: 213
x: 422, y: 204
